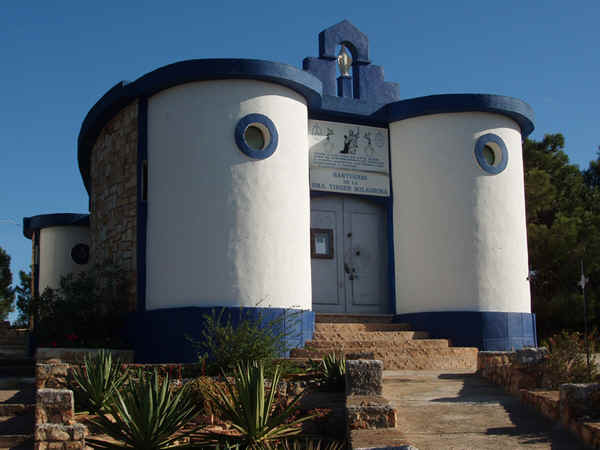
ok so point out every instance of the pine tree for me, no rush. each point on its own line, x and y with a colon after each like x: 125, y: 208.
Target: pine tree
x: 7, y: 294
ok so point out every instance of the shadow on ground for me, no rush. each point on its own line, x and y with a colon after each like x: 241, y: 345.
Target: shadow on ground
x: 526, y: 423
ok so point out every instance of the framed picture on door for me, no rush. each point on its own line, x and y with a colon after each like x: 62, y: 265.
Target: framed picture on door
x: 321, y: 243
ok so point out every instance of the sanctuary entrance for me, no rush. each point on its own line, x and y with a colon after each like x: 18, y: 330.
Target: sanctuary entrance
x: 349, y: 257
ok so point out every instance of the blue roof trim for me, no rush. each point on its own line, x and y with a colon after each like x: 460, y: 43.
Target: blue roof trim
x: 165, y: 77
x: 511, y: 107
x: 34, y: 223
x: 344, y: 33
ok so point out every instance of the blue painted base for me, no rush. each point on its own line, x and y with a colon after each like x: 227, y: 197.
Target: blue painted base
x: 159, y: 336
x: 496, y: 331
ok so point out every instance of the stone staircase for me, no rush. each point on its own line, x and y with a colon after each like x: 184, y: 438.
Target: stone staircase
x: 399, y: 347
x: 17, y: 389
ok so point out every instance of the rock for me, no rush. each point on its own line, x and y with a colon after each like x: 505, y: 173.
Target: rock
x: 364, y: 377
x: 579, y: 400
x: 369, y: 412
x: 530, y: 355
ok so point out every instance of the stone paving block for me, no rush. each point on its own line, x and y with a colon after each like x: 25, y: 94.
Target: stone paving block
x: 579, y: 401
x: 388, y: 439
x: 530, y: 356
x: 54, y: 406
x: 364, y: 377
x: 369, y: 412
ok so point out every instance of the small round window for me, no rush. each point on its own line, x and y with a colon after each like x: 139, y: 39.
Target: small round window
x: 80, y: 253
x: 491, y: 153
x: 256, y: 136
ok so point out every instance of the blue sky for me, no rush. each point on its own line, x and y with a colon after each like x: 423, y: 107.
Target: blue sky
x: 59, y: 58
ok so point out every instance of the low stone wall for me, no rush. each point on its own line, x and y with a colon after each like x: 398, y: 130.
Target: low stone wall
x: 55, y: 374
x: 55, y: 422
x: 76, y: 355
x: 514, y: 370
x: 575, y: 406
x: 365, y: 406
x: 55, y: 427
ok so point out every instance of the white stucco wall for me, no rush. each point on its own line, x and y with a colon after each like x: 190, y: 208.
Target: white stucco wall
x: 56, y: 244
x: 225, y: 229
x: 459, y: 233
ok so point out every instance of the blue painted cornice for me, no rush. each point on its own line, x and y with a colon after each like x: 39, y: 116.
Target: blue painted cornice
x: 381, y: 109
x: 165, y: 77
x: 511, y: 107
x: 34, y: 223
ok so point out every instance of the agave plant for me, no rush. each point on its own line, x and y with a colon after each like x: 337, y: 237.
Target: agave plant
x: 99, y: 378
x: 146, y: 414
x: 310, y: 444
x: 333, y: 370
x: 251, y: 409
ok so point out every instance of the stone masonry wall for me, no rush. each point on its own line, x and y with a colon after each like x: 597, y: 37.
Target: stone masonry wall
x: 55, y: 426
x: 113, y: 206
x: 575, y: 406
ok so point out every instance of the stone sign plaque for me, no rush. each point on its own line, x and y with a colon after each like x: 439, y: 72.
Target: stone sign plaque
x: 348, y: 158
x: 350, y: 182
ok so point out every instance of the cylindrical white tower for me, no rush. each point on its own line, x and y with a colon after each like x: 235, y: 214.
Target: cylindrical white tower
x: 63, y: 250
x: 222, y: 196
x: 61, y: 246
x: 228, y: 227
x: 460, y: 238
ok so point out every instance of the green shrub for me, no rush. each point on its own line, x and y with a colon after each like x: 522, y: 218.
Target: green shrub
x: 99, y: 378
x: 251, y: 409
x: 87, y: 310
x: 224, y: 345
x: 333, y: 370
x: 566, y: 361
x: 147, y: 415
x: 330, y: 373
x: 202, y: 391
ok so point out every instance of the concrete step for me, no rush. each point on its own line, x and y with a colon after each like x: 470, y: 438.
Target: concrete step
x: 14, y: 340
x: 16, y: 409
x: 357, y: 327
x: 382, y: 438
x: 16, y: 441
x: 342, y: 336
x: 14, y: 351
x: 16, y: 383
x: 17, y: 361
x: 21, y: 397
x: 369, y: 345
x: 430, y: 359
x: 319, y: 349
x: 410, y: 357
x: 353, y: 318
x: 17, y: 371
x: 16, y: 425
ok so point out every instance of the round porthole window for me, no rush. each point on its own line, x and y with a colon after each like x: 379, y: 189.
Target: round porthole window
x: 491, y: 153
x: 80, y: 253
x: 256, y: 136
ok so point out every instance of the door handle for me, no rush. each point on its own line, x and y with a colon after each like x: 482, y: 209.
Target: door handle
x: 350, y: 271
